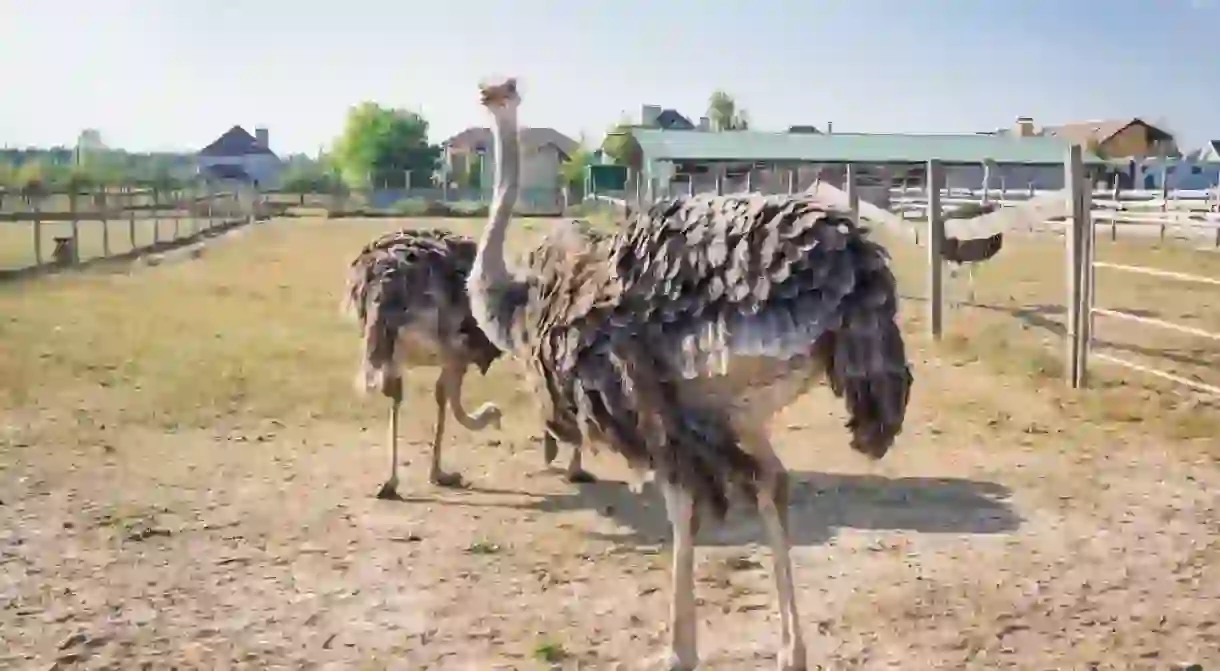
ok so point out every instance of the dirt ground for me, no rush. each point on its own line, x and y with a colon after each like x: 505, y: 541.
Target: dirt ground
x: 186, y: 480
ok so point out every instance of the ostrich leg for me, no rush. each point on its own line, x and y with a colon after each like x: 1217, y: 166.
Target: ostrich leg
x: 773, y: 508
x: 970, y: 279
x: 392, y: 389
x: 444, y: 385
x: 576, y: 473
x: 683, y: 654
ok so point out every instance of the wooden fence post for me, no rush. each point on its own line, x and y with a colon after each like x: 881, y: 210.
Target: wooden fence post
x: 936, y: 237
x: 853, y: 192
x: 156, y: 215
x: 1118, y: 206
x: 208, y: 202
x: 101, y: 200
x: 75, y: 224
x: 173, y: 212
x: 1073, y: 169
x: 37, y: 232
x: 1088, y: 279
x: 131, y: 217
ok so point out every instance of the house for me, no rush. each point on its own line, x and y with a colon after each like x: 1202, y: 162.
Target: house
x: 1209, y: 153
x: 1112, y: 138
x: 239, y: 156
x: 543, y: 152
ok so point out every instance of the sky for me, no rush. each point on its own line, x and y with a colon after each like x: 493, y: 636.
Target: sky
x: 158, y: 75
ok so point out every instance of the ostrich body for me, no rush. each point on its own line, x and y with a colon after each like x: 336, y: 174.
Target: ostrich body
x: 967, y: 253
x: 407, y: 290
x: 676, y: 340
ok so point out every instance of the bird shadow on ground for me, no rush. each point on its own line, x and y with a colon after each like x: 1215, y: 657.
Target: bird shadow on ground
x: 820, y: 504
x: 1050, y: 318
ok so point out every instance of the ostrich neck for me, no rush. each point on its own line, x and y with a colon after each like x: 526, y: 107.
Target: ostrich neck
x: 507, y: 158
x: 490, y: 283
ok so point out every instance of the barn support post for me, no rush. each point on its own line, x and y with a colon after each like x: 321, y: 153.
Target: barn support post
x: 1074, y: 240
x: 986, y: 182
x: 719, y: 170
x: 792, y: 180
x: 850, y: 179
x: 936, y: 238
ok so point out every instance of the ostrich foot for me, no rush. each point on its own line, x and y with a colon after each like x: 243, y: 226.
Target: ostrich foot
x: 550, y: 450
x: 580, y: 476
x: 671, y: 661
x: 791, y: 662
x: 389, y: 491
x: 443, y: 479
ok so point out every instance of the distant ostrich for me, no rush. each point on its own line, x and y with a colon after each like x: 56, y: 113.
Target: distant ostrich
x: 677, y: 339
x: 968, y: 252
x: 407, y: 289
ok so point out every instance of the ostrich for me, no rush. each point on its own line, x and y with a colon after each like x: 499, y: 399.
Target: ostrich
x: 958, y: 252
x: 407, y: 290
x: 677, y: 339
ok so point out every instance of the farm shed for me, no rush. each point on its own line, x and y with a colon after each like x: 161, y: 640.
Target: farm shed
x: 778, y: 161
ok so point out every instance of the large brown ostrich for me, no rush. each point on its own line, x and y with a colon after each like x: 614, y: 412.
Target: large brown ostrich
x: 677, y: 339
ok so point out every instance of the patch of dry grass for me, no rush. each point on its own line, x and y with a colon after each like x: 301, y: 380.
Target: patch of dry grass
x: 1016, y: 326
x: 250, y: 330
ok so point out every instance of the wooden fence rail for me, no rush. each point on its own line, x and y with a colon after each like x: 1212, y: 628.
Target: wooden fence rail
x: 113, y: 223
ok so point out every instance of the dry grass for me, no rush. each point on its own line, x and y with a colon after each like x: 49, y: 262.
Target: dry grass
x: 1017, y: 324
x: 186, y: 479
x: 200, y: 341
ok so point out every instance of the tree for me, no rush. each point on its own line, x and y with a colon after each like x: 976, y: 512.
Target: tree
x: 382, y: 144
x: 723, y: 113
x: 618, y: 144
x: 572, y: 171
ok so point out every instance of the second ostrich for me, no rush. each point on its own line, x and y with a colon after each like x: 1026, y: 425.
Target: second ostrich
x: 407, y: 289
x: 958, y: 252
x: 676, y: 340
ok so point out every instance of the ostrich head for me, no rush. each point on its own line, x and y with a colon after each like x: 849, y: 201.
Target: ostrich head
x: 501, y: 96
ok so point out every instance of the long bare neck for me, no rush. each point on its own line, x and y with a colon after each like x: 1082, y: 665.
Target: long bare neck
x: 490, y: 283
x: 490, y: 259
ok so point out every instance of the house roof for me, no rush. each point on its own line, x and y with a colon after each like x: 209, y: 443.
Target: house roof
x: 851, y: 147
x: 1083, y: 131
x: 1099, y: 130
x: 235, y: 142
x: 672, y: 119
x: 224, y: 171
x: 481, y: 137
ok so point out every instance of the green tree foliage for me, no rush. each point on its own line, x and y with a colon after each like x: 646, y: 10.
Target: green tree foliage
x: 572, y: 171
x: 723, y: 113
x: 618, y: 144
x: 305, y: 175
x: 382, y: 144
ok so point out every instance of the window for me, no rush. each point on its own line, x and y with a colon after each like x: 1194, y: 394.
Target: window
x: 1196, y: 170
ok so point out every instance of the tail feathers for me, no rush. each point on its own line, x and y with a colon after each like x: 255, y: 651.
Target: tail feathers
x: 867, y: 363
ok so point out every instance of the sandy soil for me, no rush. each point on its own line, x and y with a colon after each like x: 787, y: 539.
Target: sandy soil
x: 997, y: 534
x: 1010, y: 542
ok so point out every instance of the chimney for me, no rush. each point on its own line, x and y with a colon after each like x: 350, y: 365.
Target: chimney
x: 705, y: 123
x: 1024, y: 127
x: 261, y: 137
x: 649, y: 115
x: 830, y: 127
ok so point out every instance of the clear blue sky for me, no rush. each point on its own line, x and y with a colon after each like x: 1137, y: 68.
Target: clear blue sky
x: 169, y: 74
